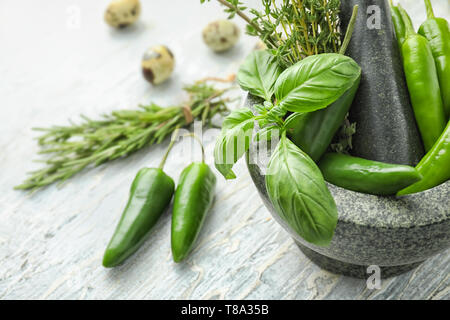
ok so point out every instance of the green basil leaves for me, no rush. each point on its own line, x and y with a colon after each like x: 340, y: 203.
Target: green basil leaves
x: 315, y: 82
x: 294, y: 183
x: 234, y: 140
x: 258, y: 74
x: 299, y: 194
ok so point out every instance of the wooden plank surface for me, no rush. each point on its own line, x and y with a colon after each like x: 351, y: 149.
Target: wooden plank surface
x: 58, y: 60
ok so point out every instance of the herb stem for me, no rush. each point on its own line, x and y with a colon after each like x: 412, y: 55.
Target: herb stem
x: 169, y: 148
x: 408, y: 24
x: 430, y: 13
x: 245, y: 17
x: 297, y: 17
x: 195, y: 137
x: 240, y: 13
x: 330, y: 24
x: 350, y: 28
x: 305, y: 28
x: 276, y: 32
x: 286, y: 34
x: 314, y: 27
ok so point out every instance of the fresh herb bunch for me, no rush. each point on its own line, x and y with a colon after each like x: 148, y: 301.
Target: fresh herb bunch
x: 294, y: 183
x: 74, y: 147
x: 292, y: 29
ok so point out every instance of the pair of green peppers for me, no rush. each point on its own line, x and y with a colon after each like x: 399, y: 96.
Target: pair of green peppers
x: 314, y: 132
x: 150, y: 196
x: 426, y: 61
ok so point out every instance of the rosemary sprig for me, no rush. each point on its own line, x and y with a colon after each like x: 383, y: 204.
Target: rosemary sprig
x: 293, y: 29
x: 72, y: 148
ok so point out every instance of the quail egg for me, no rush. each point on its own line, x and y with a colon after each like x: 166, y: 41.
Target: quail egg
x: 157, y: 64
x: 122, y: 13
x: 221, y: 35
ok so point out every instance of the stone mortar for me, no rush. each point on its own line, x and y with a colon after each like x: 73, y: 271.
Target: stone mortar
x: 395, y: 233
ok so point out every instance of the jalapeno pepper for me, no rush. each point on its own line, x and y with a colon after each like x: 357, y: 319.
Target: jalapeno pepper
x: 423, y: 85
x: 366, y: 176
x: 193, y: 199
x: 150, y: 195
x: 314, y: 131
x: 399, y: 25
x: 437, y: 31
x: 434, y: 167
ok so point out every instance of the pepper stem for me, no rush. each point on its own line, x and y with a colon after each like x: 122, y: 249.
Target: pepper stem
x: 430, y: 13
x: 195, y: 137
x: 169, y: 148
x: 408, y: 23
x: 349, y: 33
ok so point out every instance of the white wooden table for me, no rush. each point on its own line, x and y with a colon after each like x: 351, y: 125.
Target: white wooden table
x: 58, y: 59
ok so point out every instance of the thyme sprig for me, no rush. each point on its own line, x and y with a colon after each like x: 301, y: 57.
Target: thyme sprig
x: 72, y: 148
x: 292, y: 29
x: 295, y: 29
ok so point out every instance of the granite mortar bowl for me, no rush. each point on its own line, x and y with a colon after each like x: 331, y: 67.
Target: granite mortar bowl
x: 395, y: 233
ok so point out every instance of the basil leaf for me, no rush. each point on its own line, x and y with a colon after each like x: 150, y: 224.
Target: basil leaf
x: 258, y: 74
x: 234, y: 140
x: 316, y: 82
x: 236, y: 117
x: 299, y: 194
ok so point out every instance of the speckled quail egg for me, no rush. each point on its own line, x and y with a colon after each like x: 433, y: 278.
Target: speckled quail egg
x: 157, y: 64
x: 122, y: 13
x: 221, y: 35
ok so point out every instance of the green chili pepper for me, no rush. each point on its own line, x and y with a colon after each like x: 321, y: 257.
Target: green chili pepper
x: 150, y: 195
x: 423, y: 85
x: 366, y: 176
x: 434, y: 167
x: 437, y: 31
x: 193, y: 199
x: 399, y: 25
x: 314, y: 131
